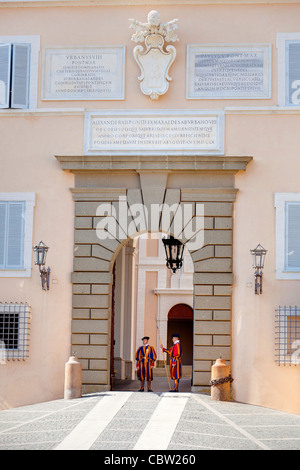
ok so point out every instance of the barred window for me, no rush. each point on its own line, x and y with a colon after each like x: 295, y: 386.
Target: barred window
x: 14, y: 331
x: 287, y: 350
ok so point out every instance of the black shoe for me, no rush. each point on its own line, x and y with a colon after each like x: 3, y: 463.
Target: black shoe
x: 141, y: 390
x: 174, y: 390
x: 149, y: 390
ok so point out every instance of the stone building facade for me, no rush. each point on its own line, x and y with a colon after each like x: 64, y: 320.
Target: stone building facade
x: 105, y: 117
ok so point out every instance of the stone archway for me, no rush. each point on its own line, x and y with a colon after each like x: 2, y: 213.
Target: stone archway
x: 99, y: 180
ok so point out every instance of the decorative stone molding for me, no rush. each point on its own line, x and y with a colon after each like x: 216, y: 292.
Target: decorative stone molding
x: 84, y: 3
x: 152, y: 162
x: 154, y: 61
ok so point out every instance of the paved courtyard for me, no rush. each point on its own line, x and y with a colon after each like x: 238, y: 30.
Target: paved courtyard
x: 132, y: 421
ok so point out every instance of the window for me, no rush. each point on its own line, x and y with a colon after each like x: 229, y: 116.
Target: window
x: 9, y: 326
x: 12, y: 215
x: 287, y: 235
x: 287, y: 349
x: 16, y: 221
x: 288, y: 45
x: 14, y: 75
x: 19, y: 71
x: 14, y: 331
x: 292, y: 236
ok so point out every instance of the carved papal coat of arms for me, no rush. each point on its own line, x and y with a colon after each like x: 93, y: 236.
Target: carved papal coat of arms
x: 153, y: 60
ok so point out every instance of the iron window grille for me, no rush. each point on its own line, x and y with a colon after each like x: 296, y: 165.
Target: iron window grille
x: 14, y: 331
x: 287, y: 332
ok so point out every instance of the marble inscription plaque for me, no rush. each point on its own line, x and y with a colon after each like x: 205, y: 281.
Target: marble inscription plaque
x: 84, y: 73
x: 228, y: 72
x: 159, y: 132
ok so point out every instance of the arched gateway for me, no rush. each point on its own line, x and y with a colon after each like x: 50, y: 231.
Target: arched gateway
x: 109, y: 194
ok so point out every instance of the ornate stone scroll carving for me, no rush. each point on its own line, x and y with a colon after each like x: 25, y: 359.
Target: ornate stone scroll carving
x: 154, y: 61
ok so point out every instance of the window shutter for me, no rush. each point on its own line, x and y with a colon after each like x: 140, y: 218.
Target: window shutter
x: 293, y: 236
x: 5, y: 74
x: 2, y: 233
x: 20, y: 76
x: 294, y: 73
x: 15, y: 235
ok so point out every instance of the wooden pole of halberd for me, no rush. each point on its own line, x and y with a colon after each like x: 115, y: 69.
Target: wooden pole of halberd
x: 164, y: 361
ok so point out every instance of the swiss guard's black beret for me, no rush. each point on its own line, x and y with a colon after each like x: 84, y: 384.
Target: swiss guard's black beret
x: 145, y: 337
x: 175, y: 335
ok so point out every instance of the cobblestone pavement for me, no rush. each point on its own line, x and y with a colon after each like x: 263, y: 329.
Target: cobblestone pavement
x: 127, y: 420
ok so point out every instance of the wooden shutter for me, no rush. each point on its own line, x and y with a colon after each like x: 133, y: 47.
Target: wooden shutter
x: 293, y: 236
x: 20, y: 76
x: 15, y: 235
x: 5, y: 74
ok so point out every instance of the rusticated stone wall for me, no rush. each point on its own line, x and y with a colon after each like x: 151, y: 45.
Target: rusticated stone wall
x: 204, y: 180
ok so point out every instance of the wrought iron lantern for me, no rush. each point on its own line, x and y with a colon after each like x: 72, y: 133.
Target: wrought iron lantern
x: 40, y: 255
x: 174, y: 253
x: 258, y: 261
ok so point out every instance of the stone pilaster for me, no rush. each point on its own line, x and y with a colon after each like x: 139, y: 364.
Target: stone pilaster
x: 92, y: 284
x: 213, y: 279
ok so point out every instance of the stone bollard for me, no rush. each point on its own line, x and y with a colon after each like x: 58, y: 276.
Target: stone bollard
x: 73, y: 378
x: 220, y: 381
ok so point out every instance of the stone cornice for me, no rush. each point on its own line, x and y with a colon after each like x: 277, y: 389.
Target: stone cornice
x: 284, y: 110
x: 80, y: 3
x: 208, y: 194
x: 97, y: 194
x: 170, y: 163
x: 173, y: 291
x: 42, y: 112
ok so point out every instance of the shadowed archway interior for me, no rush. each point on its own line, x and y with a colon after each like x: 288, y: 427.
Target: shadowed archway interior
x: 180, y: 321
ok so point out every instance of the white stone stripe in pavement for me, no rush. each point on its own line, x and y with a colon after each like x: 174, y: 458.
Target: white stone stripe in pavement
x: 161, y: 426
x: 86, y: 432
x: 231, y: 423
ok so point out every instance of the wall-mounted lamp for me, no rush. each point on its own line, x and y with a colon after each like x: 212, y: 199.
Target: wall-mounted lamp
x: 40, y: 255
x: 258, y: 261
x: 174, y: 253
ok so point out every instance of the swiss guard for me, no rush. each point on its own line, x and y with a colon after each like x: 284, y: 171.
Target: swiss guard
x: 145, y: 357
x: 175, y: 353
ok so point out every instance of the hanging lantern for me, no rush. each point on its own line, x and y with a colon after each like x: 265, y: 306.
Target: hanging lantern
x: 174, y: 253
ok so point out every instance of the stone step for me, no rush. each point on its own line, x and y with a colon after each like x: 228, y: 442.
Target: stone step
x: 161, y: 371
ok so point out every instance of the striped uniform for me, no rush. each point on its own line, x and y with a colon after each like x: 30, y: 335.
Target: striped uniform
x: 145, y: 357
x: 175, y: 363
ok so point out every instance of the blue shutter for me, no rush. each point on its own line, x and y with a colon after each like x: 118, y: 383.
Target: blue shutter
x: 2, y: 233
x: 5, y: 74
x: 20, y: 76
x: 293, y: 237
x: 293, y: 73
x: 15, y: 235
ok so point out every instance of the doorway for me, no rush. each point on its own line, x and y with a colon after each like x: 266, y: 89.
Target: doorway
x: 180, y: 321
